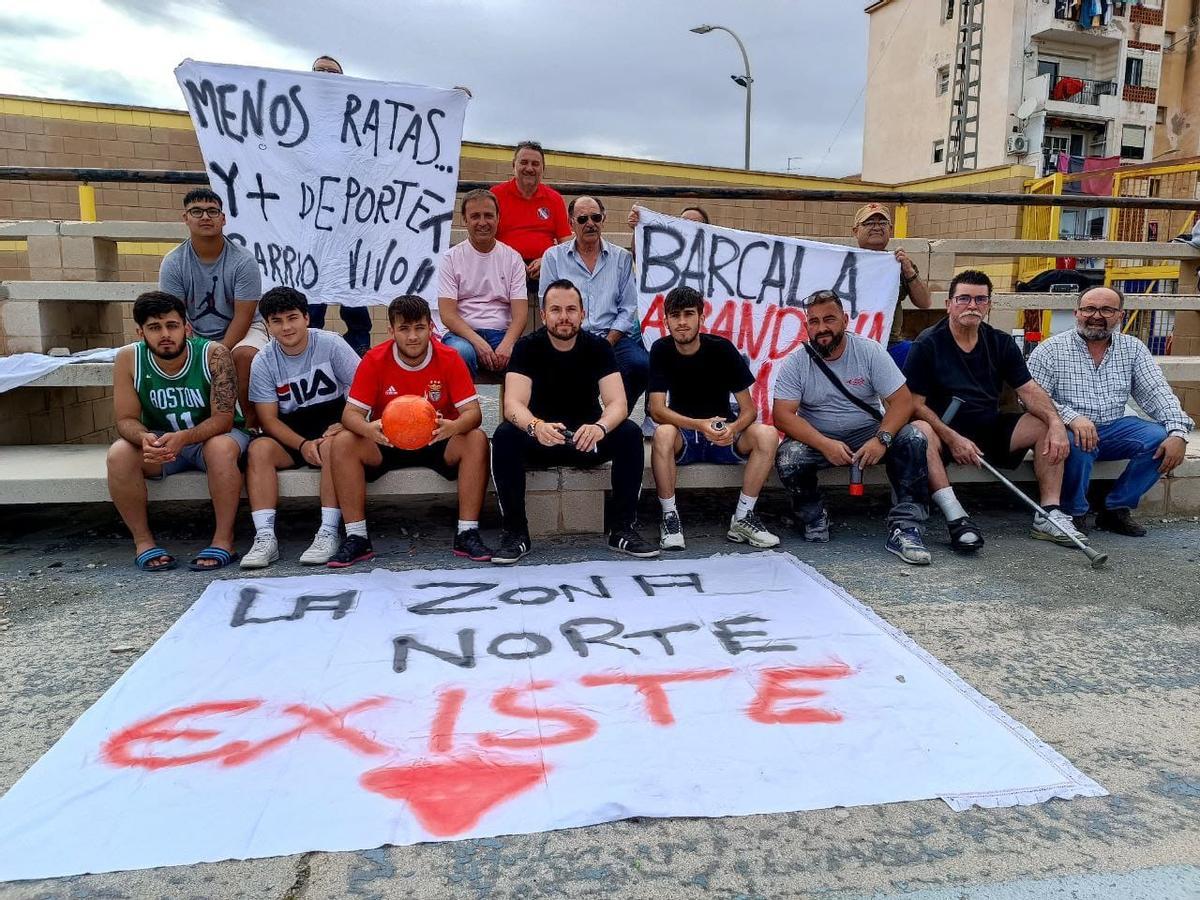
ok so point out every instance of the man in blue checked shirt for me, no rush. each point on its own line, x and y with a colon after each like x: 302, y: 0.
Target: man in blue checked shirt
x: 603, y: 273
x: 1091, y: 372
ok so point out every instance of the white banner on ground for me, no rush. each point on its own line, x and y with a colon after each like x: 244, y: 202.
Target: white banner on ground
x: 345, y: 712
x: 341, y: 187
x: 754, y: 285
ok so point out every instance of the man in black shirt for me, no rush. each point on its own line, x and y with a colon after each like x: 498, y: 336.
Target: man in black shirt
x: 692, y: 376
x: 556, y: 380
x: 962, y: 356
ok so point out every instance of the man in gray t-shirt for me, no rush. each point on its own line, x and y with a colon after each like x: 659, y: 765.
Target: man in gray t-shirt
x: 219, y: 283
x: 825, y: 427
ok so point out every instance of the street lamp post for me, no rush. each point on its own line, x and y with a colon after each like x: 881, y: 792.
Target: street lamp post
x: 744, y: 80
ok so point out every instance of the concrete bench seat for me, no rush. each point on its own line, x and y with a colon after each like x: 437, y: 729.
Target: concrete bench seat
x: 1175, y: 368
x: 559, y: 501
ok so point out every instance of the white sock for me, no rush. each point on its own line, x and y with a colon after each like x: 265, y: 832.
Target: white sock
x: 745, y: 506
x: 359, y: 528
x: 331, y: 518
x: 264, y: 521
x: 668, y: 505
x: 466, y: 525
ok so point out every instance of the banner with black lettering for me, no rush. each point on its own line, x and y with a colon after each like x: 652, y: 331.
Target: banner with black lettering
x: 340, y: 712
x: 755, y: 285
x: 341, y: 187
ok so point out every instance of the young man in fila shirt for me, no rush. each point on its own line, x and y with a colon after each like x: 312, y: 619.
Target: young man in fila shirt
x: 175, y: 404
x: 410, y: 362
x: 692, y: 377
x: 298, y: 385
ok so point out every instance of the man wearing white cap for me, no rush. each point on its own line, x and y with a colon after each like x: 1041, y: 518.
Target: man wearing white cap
x: 873, y: 231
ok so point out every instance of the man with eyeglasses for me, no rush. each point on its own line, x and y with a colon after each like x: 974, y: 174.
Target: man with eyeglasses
x: 873, y: 231
x: 962, y: 356
x: 220, y: 285
x: 1091, y: 372
x: 603, y: 273
x: 828, y: 399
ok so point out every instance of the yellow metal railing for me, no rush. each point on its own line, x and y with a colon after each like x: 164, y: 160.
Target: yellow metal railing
x: 1040, y: 223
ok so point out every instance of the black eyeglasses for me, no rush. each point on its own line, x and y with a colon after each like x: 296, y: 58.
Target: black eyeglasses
x: 596, y: 218
x: 204, y: 212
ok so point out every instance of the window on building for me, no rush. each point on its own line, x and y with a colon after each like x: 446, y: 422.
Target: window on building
x: 939, y: 151
x: 1048, y: 67
x: 943, y: 80
x: 1161, y: 117
x: 1133, y: 142
x: 1168, y: 41
x: 1133, y: 71
x: 949, y: 10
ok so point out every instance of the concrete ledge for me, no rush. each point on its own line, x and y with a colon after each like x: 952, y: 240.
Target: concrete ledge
x: 560, y: 501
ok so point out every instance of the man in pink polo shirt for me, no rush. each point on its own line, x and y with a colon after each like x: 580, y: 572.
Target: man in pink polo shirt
x: 482, y: 298
x: 533, y: 216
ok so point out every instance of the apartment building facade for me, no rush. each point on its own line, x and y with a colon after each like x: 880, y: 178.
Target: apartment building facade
x: 957, y: 85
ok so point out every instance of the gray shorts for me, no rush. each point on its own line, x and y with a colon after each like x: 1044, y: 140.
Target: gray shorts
x: 191, y: 457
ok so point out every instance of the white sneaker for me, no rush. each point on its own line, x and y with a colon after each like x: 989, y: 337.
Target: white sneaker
x: 751, y: 530
x: 670, y: 533
x: 321, y: 550
x: 262, y: 553
x: 1044, y: 528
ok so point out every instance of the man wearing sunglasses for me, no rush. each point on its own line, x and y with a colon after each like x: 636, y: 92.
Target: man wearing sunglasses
x: 603, y: 273
x: 220, y: 285
x: 873, y: 231
x: 962, y: 356
x: 1091, y: 372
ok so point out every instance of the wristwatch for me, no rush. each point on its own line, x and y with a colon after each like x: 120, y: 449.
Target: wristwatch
x: 884, y: 437
x: 913, y: 277
x: 531, y: 428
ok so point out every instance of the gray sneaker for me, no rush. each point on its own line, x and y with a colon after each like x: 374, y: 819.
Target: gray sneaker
x: 817, y: 531
x: 906, y: 543
x: 1055, y: 527
x: 670, y: 533
x: 751, y: 530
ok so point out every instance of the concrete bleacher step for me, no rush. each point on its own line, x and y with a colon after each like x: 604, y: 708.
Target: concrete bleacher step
x: 559, y: 501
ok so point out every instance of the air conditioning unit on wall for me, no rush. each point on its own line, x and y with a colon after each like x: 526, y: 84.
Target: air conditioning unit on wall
x: 1018, y: 144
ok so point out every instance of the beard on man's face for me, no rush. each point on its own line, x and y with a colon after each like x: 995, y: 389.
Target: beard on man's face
x: 1092, y: 332
x: 173, y: 354
x: 827, y: 349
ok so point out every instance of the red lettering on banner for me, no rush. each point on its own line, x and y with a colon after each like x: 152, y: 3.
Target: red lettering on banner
x: 773, y: 688
x: 118, y: 749
x: 450, y: 703
x: 876, y: 320
x: 449, y: 797
x: 723, y: 325
x: 760, y: 391
x: 331, y: 723
x: 654, y: 320
x: 579, y: 726
x: 747, y: 342
x: 658, y: 707
x: 785, y: 313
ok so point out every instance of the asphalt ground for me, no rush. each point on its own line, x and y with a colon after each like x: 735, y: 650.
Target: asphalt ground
x: 1103, y: 665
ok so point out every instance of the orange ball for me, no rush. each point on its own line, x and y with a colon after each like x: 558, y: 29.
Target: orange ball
x: 409, y: 422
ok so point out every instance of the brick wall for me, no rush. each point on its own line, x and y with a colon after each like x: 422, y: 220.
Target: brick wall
x: 1136, y: 93
x: 57, y: 416
x: 1144, y: 15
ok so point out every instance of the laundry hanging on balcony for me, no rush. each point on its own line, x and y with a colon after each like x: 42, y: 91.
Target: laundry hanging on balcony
x: 1066, y: 88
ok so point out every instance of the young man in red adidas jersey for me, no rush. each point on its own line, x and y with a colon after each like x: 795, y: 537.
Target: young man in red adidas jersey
x: 410, y: 363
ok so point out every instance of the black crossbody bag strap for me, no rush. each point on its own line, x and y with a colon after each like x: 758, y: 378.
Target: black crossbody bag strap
x: 836, y: 382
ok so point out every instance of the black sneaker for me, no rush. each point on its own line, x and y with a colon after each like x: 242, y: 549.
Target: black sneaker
x: 1080, y: 523
x: 512, y: 548
x: 1119, y: 521
x: 470, y: 544
x: 630, y: 542
x: 354, y: 549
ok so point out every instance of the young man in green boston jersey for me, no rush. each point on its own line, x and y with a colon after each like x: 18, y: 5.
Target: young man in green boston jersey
x: 175, y: 399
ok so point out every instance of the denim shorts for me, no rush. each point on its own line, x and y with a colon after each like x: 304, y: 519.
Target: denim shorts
x: 191, y: 457
x: 698, y: 448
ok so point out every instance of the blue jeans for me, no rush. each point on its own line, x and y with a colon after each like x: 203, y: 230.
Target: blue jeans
x: 633, y: 361
x: 463, y: 347
x: 1128, y: 438
x: 358, y: 324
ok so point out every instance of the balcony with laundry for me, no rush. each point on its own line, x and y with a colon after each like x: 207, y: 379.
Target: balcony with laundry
x: 1085, y: 23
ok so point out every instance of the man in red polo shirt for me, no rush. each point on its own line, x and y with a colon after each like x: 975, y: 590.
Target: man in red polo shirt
x: 533, y: 216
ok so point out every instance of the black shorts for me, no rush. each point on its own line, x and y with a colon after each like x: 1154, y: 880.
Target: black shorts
x: 431, y: 457
x: 994, y: 439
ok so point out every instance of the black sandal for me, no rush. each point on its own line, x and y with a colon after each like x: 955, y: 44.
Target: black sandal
x: 958, y: 529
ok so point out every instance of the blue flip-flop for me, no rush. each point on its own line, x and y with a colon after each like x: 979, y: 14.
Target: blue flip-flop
x: 143, y: 560
x: 223, y: 558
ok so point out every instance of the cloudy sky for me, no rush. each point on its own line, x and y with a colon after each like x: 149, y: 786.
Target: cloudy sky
x: 622, y: 77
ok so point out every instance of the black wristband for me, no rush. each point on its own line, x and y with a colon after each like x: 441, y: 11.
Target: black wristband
x: 300, y: 449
